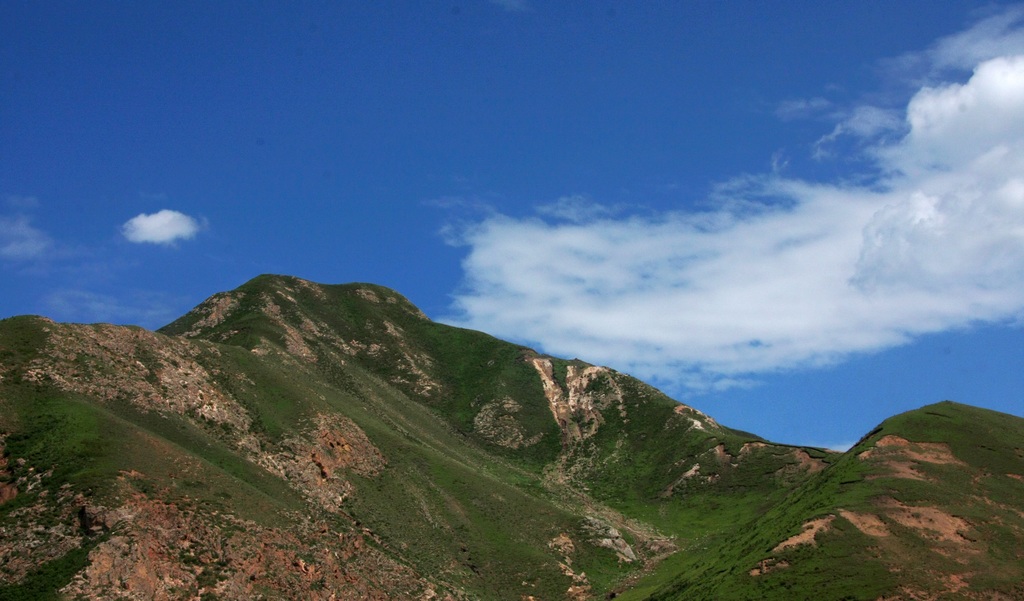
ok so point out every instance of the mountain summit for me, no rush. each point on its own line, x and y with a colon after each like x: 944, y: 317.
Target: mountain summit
x: 289, y: 440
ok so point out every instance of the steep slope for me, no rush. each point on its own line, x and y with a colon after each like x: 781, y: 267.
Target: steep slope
x: 339, y: 414
x: 294, y: 440
x: 114, y: 420
x: 929, y: 505
x: 532, y: 408
x: 133, y: 470
x: 592, y: 435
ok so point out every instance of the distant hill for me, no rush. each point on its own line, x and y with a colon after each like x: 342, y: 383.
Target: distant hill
x: 292, y: 440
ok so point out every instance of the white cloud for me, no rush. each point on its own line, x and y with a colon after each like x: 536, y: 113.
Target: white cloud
x: 865, y: 123
x: 576, y: 207
x: 786, y: 273
x: 800, y: 108
x: 1000, y: 34
x: 20, y: 241
x: 163, y: 227
x: 953, y: 124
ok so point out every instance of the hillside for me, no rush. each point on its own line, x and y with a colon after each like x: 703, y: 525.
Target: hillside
x: 926, y: 506
x: 295, y: 440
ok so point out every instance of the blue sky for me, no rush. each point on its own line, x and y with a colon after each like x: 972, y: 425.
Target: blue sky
x: 799, y: 217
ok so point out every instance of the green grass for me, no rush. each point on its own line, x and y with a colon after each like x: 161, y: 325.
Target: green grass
x: 63, y: 434
x: 477, y: 516
x: 843, y: 564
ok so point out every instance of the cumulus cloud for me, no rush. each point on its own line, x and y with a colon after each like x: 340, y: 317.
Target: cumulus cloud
x: 162, y: 227
x: 20, y: 241
x: 785, y: 273
x: 954, y: 124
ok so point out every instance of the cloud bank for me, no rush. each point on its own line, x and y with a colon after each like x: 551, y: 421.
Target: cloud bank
x: 784, y: 273
x: 162, y: 227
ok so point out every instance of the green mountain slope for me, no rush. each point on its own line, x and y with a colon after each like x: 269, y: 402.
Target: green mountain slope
x: 294, y: 440
x: 927, y: 506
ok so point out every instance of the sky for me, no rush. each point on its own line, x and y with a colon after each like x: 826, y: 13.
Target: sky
x: 798, y: 217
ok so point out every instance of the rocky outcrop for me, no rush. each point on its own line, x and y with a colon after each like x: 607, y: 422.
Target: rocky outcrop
x: 579, y: 589
x: 307, y: 338
x: 8, y: 488
x: 214, y: 311
x: 696, y: 419
x: 577, y: 408
x: 317, y: 461
x: 151, y: 371
x: 42, y: 530
x: 604, y: 535
x: 496, y: 421
x: 162, y: 551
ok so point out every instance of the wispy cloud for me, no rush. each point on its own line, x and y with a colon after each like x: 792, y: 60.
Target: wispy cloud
x: 147, y: 309
x: 20, y: 240
x: 863, y: 123
x: 162, y: 227
x: 802, y: 108
x: 998, y: 34
x: 785, y: 273
x: 576, y: 208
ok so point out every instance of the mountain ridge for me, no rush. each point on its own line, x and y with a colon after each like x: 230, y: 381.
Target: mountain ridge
x: 447, y: 463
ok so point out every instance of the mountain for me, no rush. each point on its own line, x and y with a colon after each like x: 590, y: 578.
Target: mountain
x: 291, y: 440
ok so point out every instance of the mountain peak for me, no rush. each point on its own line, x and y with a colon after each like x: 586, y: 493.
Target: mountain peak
x: 370, y: 452
x: 287, y: 302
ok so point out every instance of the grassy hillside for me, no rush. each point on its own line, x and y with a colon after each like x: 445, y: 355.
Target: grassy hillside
x: 294, y: 440
x: 928, y: 505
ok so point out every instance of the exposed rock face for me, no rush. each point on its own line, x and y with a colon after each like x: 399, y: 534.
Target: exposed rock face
x: 609, y: 538
x: 214, y: 311
x: 580, y: 588
x: 44, y: 530
x: 261, y: 482
x: 697, y: 419
x: 867, y: 523
x: 805, y: 461
x: 806, y: 536
x: 373, y: 297
x: 903, y: 458
x: 577, y: 408
x: 692, y: 472
x: 150, y: 371
x: 308, y: 339
x: 164, y: 552
x: 315, y: 462
x: 497, y: 423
